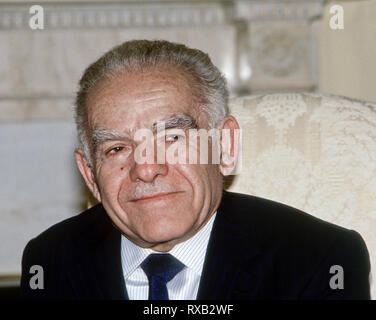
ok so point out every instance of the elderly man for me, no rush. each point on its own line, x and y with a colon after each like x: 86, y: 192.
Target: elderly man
x: 165, y: 229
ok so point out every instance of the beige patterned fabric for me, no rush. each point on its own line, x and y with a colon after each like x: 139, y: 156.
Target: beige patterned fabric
x: 313, y: 152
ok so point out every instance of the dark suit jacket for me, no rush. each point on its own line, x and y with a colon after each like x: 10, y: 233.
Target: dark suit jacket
x: 258, y: 249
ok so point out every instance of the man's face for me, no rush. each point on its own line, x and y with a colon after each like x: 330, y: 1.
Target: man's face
x: 154, y: 205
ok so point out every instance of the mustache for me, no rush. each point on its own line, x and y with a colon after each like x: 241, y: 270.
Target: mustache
x: 149, y: 189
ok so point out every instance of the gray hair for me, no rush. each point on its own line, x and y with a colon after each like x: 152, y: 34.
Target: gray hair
x: 209, y: 85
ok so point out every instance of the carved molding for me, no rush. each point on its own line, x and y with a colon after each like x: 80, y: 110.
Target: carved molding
x: 257, y: 10
x: 119, y: 15
x: 157, y: 14
x: 279, y: 50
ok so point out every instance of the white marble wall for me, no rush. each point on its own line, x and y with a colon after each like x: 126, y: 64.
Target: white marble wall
x: 39, y: 183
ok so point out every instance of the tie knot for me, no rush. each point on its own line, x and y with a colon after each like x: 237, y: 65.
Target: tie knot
x: 163, y: 266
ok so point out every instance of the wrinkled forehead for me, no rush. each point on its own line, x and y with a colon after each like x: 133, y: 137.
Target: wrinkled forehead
x: 125, y: 94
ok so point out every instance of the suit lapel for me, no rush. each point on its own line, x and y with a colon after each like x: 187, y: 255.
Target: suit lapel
x: 234, y: 264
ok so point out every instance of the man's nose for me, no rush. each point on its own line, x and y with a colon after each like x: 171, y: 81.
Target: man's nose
x: 147, y: 172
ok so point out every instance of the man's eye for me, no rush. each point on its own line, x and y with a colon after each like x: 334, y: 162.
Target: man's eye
x: 115, y: 150
x: 173, y: 137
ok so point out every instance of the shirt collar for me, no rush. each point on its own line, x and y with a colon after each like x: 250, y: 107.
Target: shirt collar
x: 190, y: 252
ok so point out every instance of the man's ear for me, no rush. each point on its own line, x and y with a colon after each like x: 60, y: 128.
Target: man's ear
x: 87, y: 173
x: 230, y: 141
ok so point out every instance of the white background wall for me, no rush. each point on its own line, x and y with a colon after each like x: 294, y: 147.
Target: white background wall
x: 348, y: 56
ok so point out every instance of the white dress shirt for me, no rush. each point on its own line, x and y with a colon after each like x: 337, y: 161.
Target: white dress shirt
x: 184, y: 286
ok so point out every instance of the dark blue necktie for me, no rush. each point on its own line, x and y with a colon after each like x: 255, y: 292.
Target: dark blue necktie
x: 160, y: 268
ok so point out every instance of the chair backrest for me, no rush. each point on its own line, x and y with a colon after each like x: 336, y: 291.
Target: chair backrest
x: 314, y: 152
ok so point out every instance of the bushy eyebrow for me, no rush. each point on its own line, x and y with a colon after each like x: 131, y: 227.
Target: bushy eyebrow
x: 102, y: 135
x: 180, y: 120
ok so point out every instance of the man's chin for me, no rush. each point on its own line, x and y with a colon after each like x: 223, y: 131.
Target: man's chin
x: 163, y: 237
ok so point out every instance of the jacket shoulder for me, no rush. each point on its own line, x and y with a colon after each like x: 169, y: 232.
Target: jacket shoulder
x: 60, y: 247
x: 301, y: 249
x: 86, y: 225
x: 272, y: 218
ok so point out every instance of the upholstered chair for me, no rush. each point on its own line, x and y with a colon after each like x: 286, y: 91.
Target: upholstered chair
x: 313, y: 152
